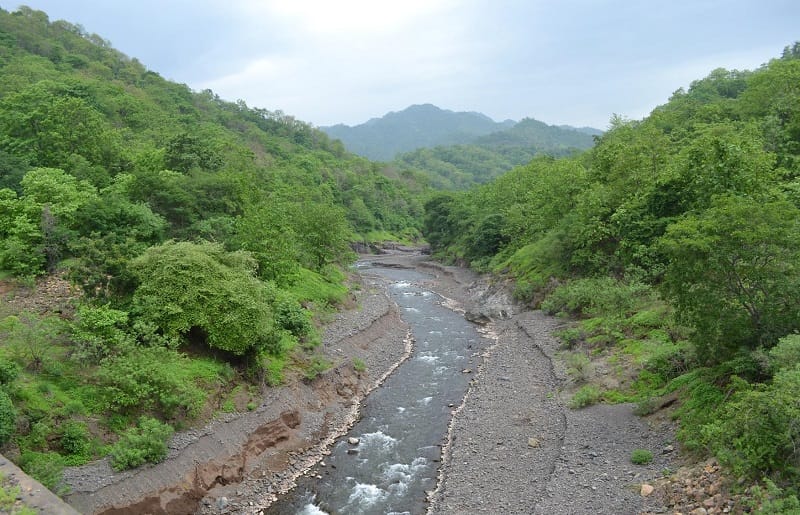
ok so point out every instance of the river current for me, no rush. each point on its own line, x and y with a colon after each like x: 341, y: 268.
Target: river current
x: 404, y: 422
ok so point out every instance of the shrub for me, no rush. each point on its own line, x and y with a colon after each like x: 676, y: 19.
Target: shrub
x: 146, y: 443
x: 150, y: 378
x: 579, y: 368
x: 586, y: 396
x: 75, y: 439
x: 97, y: 331
x: 641, y: 457
x: 597, y: 296
x: 359, y: 365
x: 8, y: 417
x: 317, y: 366
x: 569, y: 337
x: 8, y: 372
x: 757, y: 431
x: 772, y: 500
x: 200, y: 287
x: 786, y: 354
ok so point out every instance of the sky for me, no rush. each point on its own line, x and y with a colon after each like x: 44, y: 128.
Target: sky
x: 573, y: 62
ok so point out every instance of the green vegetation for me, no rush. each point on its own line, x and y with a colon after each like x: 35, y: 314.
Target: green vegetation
x: 457, y: 150
x: 9, y: 496
x: 673, y: 245
x: 481, y: 159
x: 145, y: 443
x: 359, y: 365
x: 641, y: 457
x: 208, y: 239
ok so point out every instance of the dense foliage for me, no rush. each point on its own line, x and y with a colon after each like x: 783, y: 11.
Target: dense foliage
x: 457, y: 150
x: 676, y: 242
x: 486, y: 157
x: 205, y: 235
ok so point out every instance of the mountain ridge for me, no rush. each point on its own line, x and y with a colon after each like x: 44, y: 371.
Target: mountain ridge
x: 427, y: 126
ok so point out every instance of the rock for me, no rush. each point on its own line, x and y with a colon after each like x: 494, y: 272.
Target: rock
x: 352, y: 451
x: 668, y: 449
x: 477, y: 318
x: 698, y: 511
x: 646, y: 490
x: 353, y: 440
x: 534, y: 442
x: 222, y: 503
x: 466, y: 371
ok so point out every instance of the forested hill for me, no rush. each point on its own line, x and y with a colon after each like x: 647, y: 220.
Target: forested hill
x: 675, y: 243
x: 489, y: 156
x: 414, y: 127
x: 184, y: 219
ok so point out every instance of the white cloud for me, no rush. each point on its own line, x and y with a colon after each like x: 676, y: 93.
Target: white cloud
x: 331, y: 57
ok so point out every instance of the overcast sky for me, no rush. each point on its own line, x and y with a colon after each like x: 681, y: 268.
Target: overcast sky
x: 327, y: 61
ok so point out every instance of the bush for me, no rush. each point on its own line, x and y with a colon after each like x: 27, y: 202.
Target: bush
x: 200, y: 287
x: 641, y: 457
x: 150, y: 378
x: 8, y: 372
x: 587, y: 395
x: 579, y: 368
x: 359, y: 365
x: 317, y: 366
x: 146, y: 443
x: 76, y: 440
x: 570, y: 336
x: 8, y: 418
x: 597, y: 297
x: 757, y: 431
x: 786, y: 354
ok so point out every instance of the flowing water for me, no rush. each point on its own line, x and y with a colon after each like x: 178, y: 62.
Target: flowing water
x: 404, y: 421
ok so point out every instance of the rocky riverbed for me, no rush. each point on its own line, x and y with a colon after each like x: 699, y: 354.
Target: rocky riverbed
x: 512, y: 447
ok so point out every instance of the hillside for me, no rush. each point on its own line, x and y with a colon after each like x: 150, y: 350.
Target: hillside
x: 673, y: 246
x: 486, y: 157
x: 193, y: 244
x: 416, y: 126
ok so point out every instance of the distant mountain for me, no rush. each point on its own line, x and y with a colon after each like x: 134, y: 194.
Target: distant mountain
x: 486, y: 157
x: 586, y: 130
x: 417, y: 126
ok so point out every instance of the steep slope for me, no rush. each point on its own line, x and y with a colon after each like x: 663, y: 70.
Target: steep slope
x: 197, y: 241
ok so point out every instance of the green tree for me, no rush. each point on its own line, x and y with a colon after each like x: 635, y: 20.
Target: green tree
x: 199, y: 290
x: 733, y: 274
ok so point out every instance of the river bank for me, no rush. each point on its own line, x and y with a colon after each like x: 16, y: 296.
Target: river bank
x: 241, y: 460
x: 512, y: 447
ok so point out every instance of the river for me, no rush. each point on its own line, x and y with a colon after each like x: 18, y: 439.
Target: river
x: 404, y: 422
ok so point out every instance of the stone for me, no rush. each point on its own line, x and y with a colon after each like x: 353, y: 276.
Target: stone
x: 668, y: 449
x: 222, y: 503
x: 466, y: 371
x: 534, y: 442
x: 646, y: 490
x: 353, y: 440
x: 699, y: 511
x: 477, y: 318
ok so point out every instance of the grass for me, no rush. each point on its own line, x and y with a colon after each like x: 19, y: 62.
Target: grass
x: 641, y: 457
